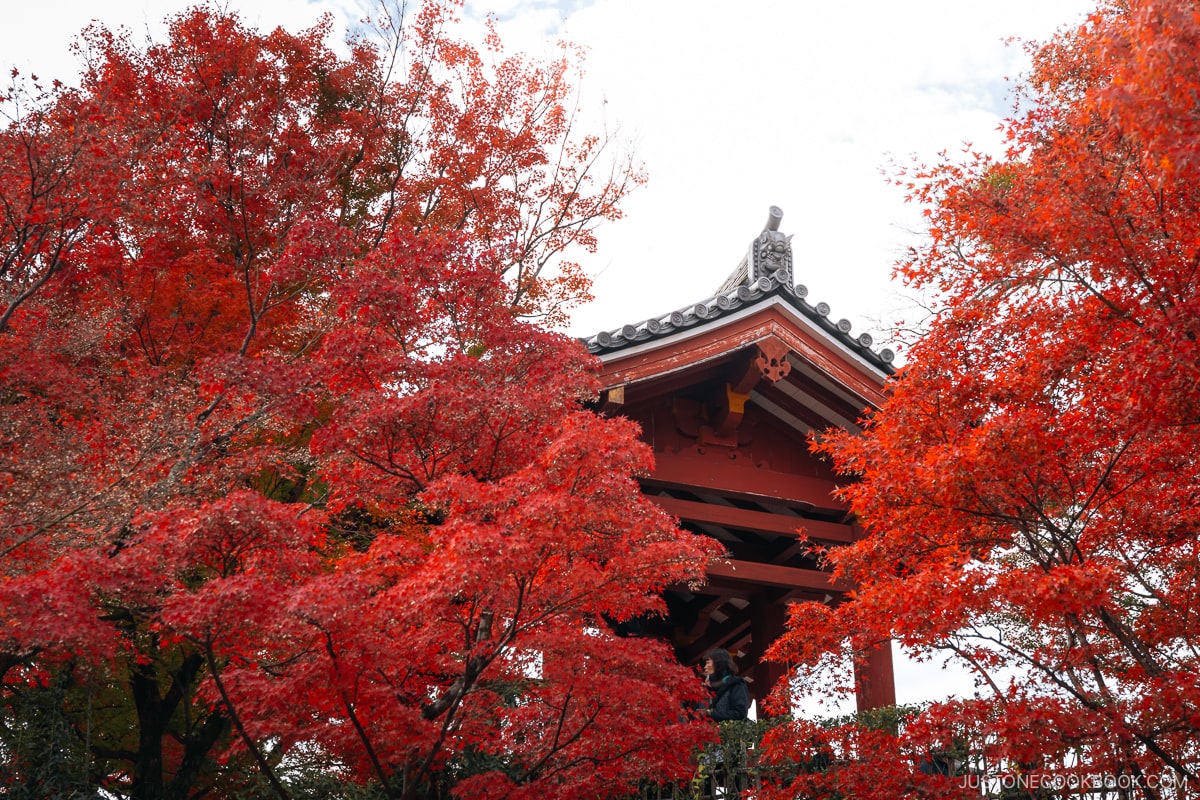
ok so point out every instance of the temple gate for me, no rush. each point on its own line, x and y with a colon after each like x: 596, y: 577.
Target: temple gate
x: 726, y: 391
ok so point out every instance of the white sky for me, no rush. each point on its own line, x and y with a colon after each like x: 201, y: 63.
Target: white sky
x: 733, y: 107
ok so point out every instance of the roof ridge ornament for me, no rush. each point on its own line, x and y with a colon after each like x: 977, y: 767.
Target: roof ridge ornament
x: 769, y: 260
x: 772, y: 251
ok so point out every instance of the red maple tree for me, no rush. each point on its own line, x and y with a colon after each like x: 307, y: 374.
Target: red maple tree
x: 1033, y: 483
x: 294, y: 491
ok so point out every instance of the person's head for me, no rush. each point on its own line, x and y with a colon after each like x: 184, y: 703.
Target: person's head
x: 718, y: 663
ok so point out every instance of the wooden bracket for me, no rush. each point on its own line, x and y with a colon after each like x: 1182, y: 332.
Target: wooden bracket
x: 731, y: 407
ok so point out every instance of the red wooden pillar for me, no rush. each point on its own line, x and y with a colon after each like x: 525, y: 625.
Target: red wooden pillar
x: 875, y: 679
x: 767, y: 623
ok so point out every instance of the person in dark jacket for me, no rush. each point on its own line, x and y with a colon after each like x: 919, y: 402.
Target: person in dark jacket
x: 731, y: 696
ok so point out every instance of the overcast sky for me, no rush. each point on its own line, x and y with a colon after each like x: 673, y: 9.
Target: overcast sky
x: 733, y: 107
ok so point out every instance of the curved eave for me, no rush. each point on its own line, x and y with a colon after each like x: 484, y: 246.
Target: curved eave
x: 779, y: 314
x: 732, y: 303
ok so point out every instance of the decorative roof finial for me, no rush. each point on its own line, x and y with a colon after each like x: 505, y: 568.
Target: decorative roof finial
x: 772, y: 251
x: 767, y: 255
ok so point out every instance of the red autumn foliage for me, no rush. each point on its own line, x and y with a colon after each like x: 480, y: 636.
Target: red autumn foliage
x: 294, y: 490
x: 1032, y: 483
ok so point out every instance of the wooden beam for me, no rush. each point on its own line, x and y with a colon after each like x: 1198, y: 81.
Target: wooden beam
x: 696, y: 619
x: 720, y: 474
x: 800, y: 383
x: 759, y: 521
x: 654, y: 388
x: 735, y: 628
x: 774, y: 575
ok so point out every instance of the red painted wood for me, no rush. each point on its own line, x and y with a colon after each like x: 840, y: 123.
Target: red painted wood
x: 773, y: 575
x: 763, y: 521
x: 874, y: 679
x: 718, y: 472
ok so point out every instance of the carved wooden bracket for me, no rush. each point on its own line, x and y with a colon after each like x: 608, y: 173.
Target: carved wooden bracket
x: 731, y: 407
x: 744, y: 374
x: 718, y: 420
x: 772, y: 359
x: 715, y: 422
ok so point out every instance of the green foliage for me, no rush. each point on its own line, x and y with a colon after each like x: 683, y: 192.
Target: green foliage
x: 307, y: 781
x: 44, y: 755
x: 890, y: 719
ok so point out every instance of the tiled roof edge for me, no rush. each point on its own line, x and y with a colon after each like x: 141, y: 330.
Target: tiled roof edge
x: 732, y: 299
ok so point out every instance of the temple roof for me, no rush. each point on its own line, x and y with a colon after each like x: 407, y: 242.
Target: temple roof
x: 764, y: 273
